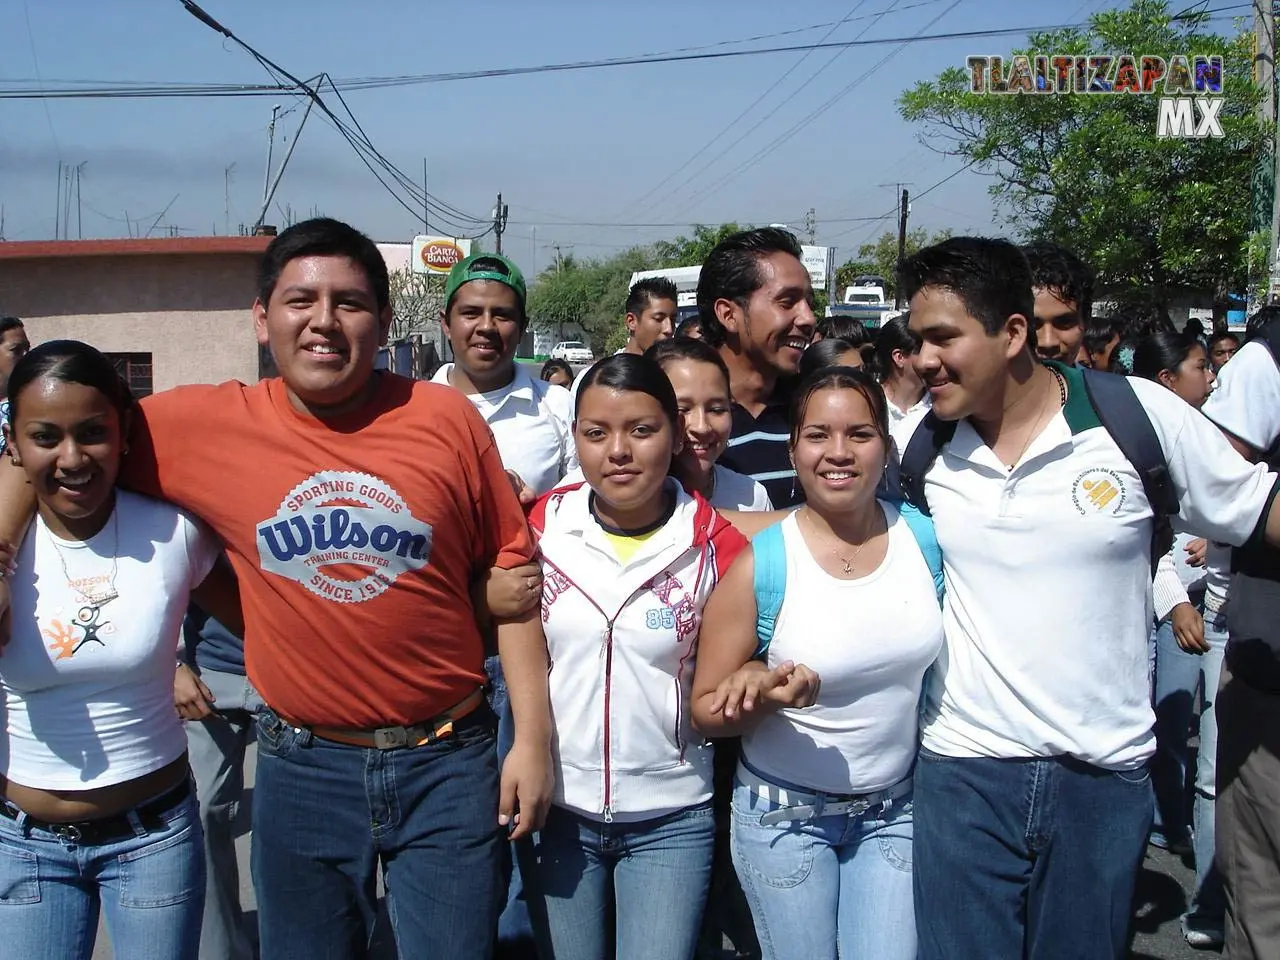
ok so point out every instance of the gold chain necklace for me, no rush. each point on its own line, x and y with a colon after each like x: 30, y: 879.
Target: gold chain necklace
x: 1035, y: 427
x: 846, y: 562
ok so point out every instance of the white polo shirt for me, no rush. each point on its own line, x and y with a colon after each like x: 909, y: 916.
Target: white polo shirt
x: 1048, y: 576
x: 532, y: 423
x: 1246, y: 403
x: 903, y: 423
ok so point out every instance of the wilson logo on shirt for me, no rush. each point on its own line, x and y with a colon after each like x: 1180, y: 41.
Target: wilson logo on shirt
x: 1098, y: 491
x: 344, y: 536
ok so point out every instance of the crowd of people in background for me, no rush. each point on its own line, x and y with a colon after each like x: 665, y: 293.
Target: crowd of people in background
x: 770, y: 630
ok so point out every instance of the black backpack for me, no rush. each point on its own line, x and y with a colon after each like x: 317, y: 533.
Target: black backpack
x: 1256, y: 559
x: 1121, y: 414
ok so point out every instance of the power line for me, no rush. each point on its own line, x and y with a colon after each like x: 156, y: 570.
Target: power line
x: 755, y: 103
x: 117, y: 91
x: 35, y: 61
x: 795, y: 128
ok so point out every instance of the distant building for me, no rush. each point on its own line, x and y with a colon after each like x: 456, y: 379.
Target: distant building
x: 169, y: 311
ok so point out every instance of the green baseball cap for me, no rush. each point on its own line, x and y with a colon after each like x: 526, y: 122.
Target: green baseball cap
x: 484, y: 266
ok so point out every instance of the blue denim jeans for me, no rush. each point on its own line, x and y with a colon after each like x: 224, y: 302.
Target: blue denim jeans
x: 832, y: 886
x: 515, y: 933
x: 325, y: 815
x: 150, y: 887
x: 1175, y: 679
x: 1209, y: 902
x: 1026, y: 858
x: 651, y: 876
x: 216, y: 747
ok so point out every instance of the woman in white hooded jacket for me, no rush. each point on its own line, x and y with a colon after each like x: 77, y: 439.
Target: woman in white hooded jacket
x: 629, y: 560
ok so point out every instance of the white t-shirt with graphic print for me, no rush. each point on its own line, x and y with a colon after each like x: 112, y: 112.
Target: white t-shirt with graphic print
x: 87, y: 676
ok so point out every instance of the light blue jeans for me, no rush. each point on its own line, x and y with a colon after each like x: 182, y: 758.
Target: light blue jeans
x: 216, y: 748
x: 651, y: 876
x: 1208, y: 903
x: 834, y: 886
x: 151, y: 887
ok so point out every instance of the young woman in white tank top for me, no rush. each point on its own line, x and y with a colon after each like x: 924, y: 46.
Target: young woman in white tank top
x: 828, y: 715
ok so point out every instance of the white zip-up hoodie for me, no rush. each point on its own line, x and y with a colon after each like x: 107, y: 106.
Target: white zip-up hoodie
x: 622, y: 639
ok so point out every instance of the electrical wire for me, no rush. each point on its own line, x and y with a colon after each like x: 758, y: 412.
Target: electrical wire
x: 115, y: 90
x: 754, y: 103
x: 795, y: 128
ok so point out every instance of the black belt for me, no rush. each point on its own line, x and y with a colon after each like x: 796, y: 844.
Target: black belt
x: 109, y: 829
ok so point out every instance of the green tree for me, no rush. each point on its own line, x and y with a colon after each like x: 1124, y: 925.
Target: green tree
x: 880, y: 258
x: 1151, y: 215
x: 691, y: 251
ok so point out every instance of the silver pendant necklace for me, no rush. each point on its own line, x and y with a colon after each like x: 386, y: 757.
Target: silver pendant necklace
x: 101, y: 597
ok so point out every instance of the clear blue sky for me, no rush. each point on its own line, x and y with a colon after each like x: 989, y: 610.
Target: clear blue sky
x: 564, y: 148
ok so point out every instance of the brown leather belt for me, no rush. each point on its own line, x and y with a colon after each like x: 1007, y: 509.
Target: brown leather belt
x: 394, y: 738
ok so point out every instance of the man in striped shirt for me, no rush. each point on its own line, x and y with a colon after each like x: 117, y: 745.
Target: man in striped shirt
x: 755, y: 302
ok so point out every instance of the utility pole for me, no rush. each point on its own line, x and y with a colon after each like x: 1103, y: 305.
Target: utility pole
x: 903, y: 209
x: 811, y: 225
x: 57, y: 210
x: 1265, y: 76
x: 271, y: 139
x: 426, y: 207
x: 533, y: 249
x: 499, y: 221
x: 226, y: 198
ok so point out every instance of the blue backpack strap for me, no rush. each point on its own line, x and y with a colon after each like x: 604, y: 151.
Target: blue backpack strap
x: 769, y: 556
x: 923, y: 448
x: 921, y: 526
x: 1123, y: 416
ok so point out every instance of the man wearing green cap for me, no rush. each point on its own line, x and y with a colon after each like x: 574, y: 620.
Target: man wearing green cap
x: 532, y: 423
x: 532, y: 420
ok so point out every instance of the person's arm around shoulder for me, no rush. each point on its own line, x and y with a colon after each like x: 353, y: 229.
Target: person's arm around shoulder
x: 732, y: 689
x: 507, y: 542
x: 17, y: 507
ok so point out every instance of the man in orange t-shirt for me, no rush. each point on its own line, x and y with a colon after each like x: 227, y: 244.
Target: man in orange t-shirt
x: 358, y: 509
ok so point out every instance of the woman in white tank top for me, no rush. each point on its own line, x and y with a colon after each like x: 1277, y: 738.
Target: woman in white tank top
x: 828, y: 713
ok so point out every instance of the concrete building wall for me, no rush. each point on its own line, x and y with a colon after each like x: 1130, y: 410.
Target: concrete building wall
x: 190, y: 312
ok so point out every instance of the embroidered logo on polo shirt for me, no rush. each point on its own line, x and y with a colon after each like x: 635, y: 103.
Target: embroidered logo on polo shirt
x: 1098, y: 491
x: 344, y: 536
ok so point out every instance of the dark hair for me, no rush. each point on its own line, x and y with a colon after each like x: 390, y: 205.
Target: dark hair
x: 1062, y: 273
x: 1263, y: 316
x: 839, y: 378
x: 732, y: 272
x: 650, y: 288
x: 825, y: 353
x: 1224, y: 335
x: 687, y: 326
x: 673, y: 349
x: 1194, y: 326
x: 844, y: 328
x: 626, y: 371
x: 990, y: 277
x: 1098, y: 332
x: 551, y: 366
x: 323, y: 237
x: 894, y: 335
x: 9, y: 323
x: 1162, y: 350
x: 69, y: 361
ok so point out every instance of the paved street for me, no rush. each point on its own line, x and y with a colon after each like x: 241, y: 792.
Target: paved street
x: 1163, y: 889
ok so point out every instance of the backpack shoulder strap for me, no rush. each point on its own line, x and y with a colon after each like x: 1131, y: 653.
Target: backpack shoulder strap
x: 1123, y: 416
x: 922, y: 449
x: 921, y: 526
x: 769, y: 557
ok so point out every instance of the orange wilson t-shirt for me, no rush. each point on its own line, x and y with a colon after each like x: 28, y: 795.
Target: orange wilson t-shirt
x: 355, y: 540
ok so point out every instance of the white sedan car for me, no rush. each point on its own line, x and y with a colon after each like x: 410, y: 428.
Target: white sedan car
x: 574, y: 351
